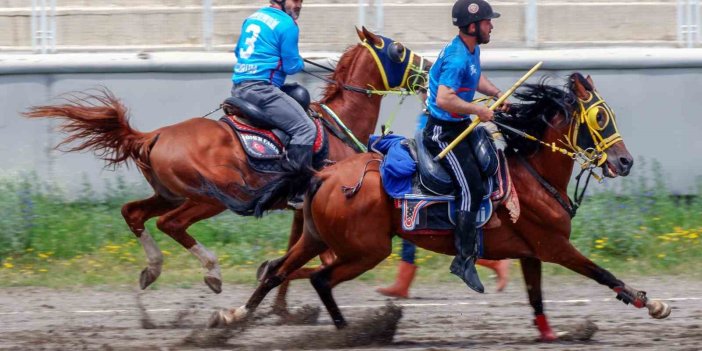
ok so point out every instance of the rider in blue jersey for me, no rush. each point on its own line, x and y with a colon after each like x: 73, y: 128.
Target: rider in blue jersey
x: 267, y: 51
x: 453, y: 80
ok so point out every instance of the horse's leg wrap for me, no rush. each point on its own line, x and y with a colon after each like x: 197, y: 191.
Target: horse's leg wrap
x: 631, y: 296
x: 544, y: 328
x: 213, y: 276
x: 154, y: 257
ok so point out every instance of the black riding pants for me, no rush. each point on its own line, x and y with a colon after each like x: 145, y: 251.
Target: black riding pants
x: 459, y: 162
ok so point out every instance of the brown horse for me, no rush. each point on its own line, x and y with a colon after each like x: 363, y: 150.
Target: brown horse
x: 198, y: 169
x: 359, y: 226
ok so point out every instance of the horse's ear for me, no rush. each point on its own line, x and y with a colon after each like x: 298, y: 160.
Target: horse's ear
x: 577, y: 86
x: 360, y: 34
x: 374, y: 39
x: 589, y: 80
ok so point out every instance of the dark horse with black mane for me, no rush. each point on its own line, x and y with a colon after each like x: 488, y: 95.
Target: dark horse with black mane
x: 198, y: 168
x: 359, y: 225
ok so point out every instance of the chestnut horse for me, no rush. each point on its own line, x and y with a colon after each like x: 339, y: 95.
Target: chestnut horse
x: 198, y: 169
x: 359, y: 226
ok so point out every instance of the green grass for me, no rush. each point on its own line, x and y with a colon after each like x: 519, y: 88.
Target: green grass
x: 50, y: 238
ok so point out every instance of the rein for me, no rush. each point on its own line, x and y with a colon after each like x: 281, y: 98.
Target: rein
x: 568, y: 205
x: 588, y: 159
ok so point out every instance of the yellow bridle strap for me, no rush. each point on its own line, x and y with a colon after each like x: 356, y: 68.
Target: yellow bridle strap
x: 382, y: 69
x: 587, y: 116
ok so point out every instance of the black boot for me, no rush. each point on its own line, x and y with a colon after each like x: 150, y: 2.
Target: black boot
x: 463, y: 264
x: 298, y: 158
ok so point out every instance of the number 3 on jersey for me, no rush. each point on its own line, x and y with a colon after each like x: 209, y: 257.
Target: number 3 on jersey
x: 250, y: 42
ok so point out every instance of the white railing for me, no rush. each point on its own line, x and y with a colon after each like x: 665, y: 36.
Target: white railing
x: 375, y: 7
x: 683, y: 30
x: 43, y: 26
x: 689, y: 23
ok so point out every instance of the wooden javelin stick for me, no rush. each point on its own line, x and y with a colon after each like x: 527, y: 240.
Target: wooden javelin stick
x: 497, y: 103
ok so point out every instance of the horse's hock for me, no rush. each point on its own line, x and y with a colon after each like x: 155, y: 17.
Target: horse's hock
x: 177, y: 24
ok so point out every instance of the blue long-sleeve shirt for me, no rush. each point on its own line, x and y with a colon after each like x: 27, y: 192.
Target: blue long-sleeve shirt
x: 456, y: 68
x: 267, y: 49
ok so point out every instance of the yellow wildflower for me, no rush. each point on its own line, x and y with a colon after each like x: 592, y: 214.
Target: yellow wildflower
x: 8, y: 265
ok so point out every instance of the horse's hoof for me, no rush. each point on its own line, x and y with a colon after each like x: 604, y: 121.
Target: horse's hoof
x: 658, y: 309
x: 548, y: 338
x: 214, y: 283
x: 147, y: 277
x: 220, y: 319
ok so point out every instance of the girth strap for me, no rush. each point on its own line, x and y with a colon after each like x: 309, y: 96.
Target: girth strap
x: 567, y: 205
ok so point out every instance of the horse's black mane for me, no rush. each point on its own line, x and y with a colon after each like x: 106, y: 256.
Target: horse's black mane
x: 539, y: 104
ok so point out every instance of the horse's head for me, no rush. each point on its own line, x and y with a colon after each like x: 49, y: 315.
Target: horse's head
x: 594, y: 129
x: 398, y: 66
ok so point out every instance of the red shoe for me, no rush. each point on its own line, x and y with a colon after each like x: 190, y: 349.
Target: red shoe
x: 405, y: 276
x: 501, y: 269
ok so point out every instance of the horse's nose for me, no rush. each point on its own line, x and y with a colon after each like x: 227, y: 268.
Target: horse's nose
x: 625, y: 163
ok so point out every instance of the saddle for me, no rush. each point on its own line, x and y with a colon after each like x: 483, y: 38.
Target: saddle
x: 429, y: 208
x: 263, y: 144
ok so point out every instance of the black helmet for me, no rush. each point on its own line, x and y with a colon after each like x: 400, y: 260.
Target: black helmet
x: 298, y: 93
x: 466, y: 12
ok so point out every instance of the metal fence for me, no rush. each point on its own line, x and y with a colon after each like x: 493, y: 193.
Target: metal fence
x: 78, y: 25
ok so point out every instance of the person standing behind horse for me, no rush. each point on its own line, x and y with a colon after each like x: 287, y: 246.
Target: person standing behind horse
x: 266, y: 52
x: 453, y: 80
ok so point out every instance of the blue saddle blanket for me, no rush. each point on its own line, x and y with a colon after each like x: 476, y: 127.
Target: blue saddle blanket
x: 398, y: 167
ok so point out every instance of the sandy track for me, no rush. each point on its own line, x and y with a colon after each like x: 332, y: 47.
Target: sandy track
x: 440, y: 317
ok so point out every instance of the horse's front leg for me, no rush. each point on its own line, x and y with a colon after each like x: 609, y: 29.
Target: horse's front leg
x: 568, y: 256
x: 176, y: 222
x: 531, y: 269
x: 270, y: 274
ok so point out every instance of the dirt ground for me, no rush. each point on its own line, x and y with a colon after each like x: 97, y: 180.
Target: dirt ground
x: 438, y: 317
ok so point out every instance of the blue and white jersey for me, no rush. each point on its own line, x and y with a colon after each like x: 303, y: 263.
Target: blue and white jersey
x: 267, y: 48
x: 458, y: 69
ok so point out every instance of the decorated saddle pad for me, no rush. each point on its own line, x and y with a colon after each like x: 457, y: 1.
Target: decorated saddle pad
x: 265, y: 148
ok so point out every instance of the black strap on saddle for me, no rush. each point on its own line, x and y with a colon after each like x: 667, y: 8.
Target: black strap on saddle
x: 568, y: 205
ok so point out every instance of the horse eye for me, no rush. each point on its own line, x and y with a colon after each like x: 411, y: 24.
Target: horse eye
x: 396, y: 52
x: 602, y: 119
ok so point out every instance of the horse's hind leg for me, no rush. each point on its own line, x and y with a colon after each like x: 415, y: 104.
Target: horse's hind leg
x: 136, y: 214
x: 531, y: 269
x: 280, y: 306
x: 271, y: 274
x: 568, y: 256
x: 176, y: 222
x: 340, y: 271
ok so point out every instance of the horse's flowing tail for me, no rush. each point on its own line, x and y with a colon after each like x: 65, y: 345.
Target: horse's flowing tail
x: 101, y: 124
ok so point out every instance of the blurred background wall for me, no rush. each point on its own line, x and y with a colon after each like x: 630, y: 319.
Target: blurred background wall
x: 169, y: 60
